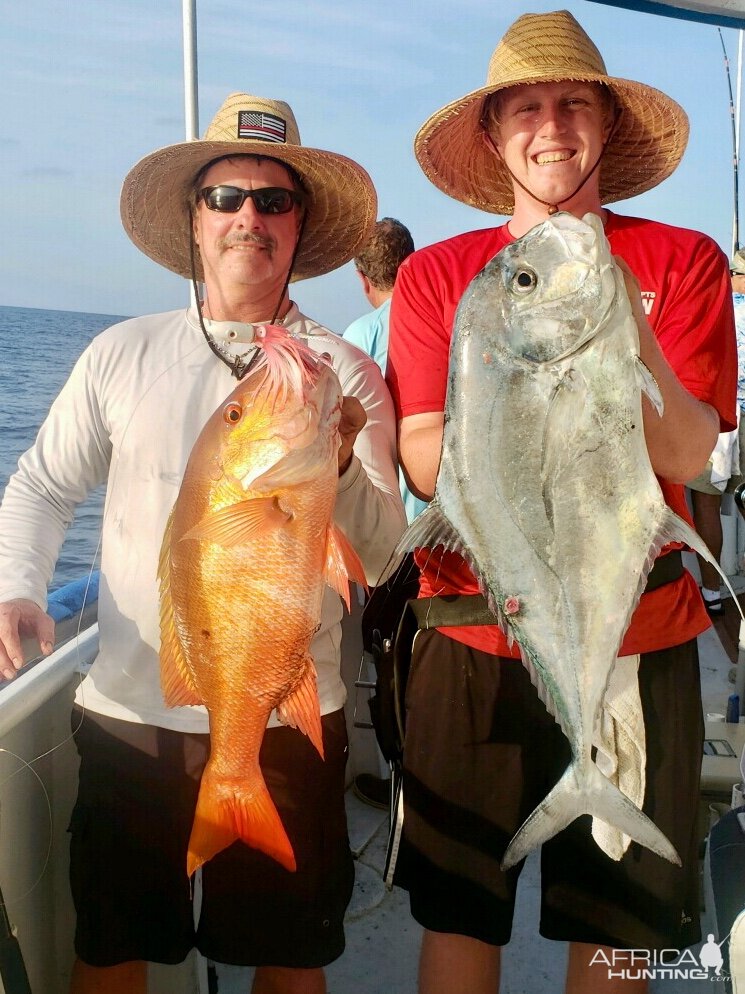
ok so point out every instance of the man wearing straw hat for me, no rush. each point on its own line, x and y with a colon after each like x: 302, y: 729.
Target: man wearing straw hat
x: 245, y: 211
x: 551, y: 130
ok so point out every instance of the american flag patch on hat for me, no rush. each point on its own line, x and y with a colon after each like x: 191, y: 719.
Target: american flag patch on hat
x: 260, y: 126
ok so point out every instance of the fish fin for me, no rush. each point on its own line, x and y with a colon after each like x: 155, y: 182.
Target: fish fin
x: 584, y: 790
x: 428, y: 530
x: 176, y: 680
x: 342, y: 564
x: 674, y: 529
x: 295, y: 467
x: 538, y: 680
x: 228, y: 810
x: 678, y: 530
x: 648, y: 385
x: 239, y: 523
x: 301, y: 709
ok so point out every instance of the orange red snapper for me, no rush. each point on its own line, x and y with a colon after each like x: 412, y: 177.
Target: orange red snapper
x: 247, y: 551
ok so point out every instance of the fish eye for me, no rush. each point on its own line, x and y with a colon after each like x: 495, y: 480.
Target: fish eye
x: 232, y: 413
x: 524, y: 281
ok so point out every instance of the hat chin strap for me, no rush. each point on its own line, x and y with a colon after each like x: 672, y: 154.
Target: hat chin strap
x: 553, y: 207
x: 238, y: 367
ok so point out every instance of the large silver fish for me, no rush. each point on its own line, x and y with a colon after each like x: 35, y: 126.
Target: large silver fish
x: 546, y: 489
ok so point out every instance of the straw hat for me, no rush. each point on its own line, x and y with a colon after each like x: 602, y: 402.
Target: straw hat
x: 647, y: 145
x: 340, y: 210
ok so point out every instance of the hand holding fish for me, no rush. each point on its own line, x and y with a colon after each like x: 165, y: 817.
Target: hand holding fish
x: 353, y: 420
x: 633, y: 290
x: 20, y: 618
x: 681, y: 437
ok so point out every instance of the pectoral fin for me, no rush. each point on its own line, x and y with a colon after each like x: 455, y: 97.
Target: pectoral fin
x: 175, y: 677
x: 648, y: 385
x: 300, y: 709
x: 239, y: 523
x: 342, y: 564
x: 428, y: 530
x: 298, y: 466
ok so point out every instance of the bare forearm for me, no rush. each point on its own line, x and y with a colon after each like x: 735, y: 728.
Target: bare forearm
x: 681, y: 441
x: 419, y: 455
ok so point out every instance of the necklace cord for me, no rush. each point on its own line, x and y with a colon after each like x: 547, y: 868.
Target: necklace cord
x: 301, y: 229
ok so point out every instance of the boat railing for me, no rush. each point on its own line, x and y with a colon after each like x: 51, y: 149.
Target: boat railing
x: 38, y: 782
x: 75, y: 610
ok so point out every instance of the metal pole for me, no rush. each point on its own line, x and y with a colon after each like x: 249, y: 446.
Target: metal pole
x: 191, y: 99
x: 738, y: 115
x: 735, y: 217
x: 191, y: 83
x: 738, y: 91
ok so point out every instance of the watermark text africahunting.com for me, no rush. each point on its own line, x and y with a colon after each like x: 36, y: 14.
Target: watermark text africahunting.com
x: 665, y: 964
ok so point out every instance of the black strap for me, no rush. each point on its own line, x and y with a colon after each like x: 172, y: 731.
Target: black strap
x: 456, y: 610
x: 666, y: 569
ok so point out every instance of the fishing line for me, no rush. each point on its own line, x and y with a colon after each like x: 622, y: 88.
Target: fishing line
x: 735, y: 151
x: 47, y: 857
x: 29, y: 764
x: 111, y: 480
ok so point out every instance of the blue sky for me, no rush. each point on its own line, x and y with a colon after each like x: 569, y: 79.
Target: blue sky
x: 89, y: 87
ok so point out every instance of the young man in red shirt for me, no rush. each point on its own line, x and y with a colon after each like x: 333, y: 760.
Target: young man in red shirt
x: 552, y: 131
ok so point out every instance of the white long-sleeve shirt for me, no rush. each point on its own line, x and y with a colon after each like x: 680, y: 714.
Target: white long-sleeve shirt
x: 129, y: 414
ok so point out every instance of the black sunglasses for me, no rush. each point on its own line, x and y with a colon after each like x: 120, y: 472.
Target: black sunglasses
x: 267, y: 199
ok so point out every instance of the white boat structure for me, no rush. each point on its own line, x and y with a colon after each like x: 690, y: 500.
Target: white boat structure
x: 725, y: 13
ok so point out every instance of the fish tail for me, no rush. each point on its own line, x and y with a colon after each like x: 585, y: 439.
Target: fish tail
x: 584, y: 790
x: 228, y: 810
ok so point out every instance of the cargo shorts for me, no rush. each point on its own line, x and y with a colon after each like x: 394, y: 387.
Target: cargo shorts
x: 129, y: 831
x: 481, y: 752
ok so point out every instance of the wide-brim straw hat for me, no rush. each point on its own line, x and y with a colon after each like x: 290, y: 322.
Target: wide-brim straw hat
x: 341, y: 204
x: 648, y: 143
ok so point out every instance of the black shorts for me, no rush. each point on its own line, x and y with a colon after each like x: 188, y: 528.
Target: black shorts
x: 129, y: 833
x: 481, y: 752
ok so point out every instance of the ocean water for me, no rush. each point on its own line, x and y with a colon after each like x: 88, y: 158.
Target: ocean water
x: 38, y: 349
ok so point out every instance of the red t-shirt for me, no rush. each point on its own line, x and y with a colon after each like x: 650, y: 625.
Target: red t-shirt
x: 687, y: 296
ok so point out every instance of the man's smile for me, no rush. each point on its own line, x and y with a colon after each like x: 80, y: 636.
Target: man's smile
x: 546, y: 158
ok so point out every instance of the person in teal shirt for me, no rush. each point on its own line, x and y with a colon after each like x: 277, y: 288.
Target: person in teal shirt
x: 377, y: 265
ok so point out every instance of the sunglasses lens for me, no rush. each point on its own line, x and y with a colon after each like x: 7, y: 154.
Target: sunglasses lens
x: 268, y: 200
x: 272, y: 200
x: 227, y: 199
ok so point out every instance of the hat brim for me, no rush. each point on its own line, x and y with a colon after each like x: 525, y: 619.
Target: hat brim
x: 647, y: 145
x: 341, y: 206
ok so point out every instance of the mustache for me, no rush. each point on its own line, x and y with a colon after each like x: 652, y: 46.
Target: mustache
x: 244, y: 237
